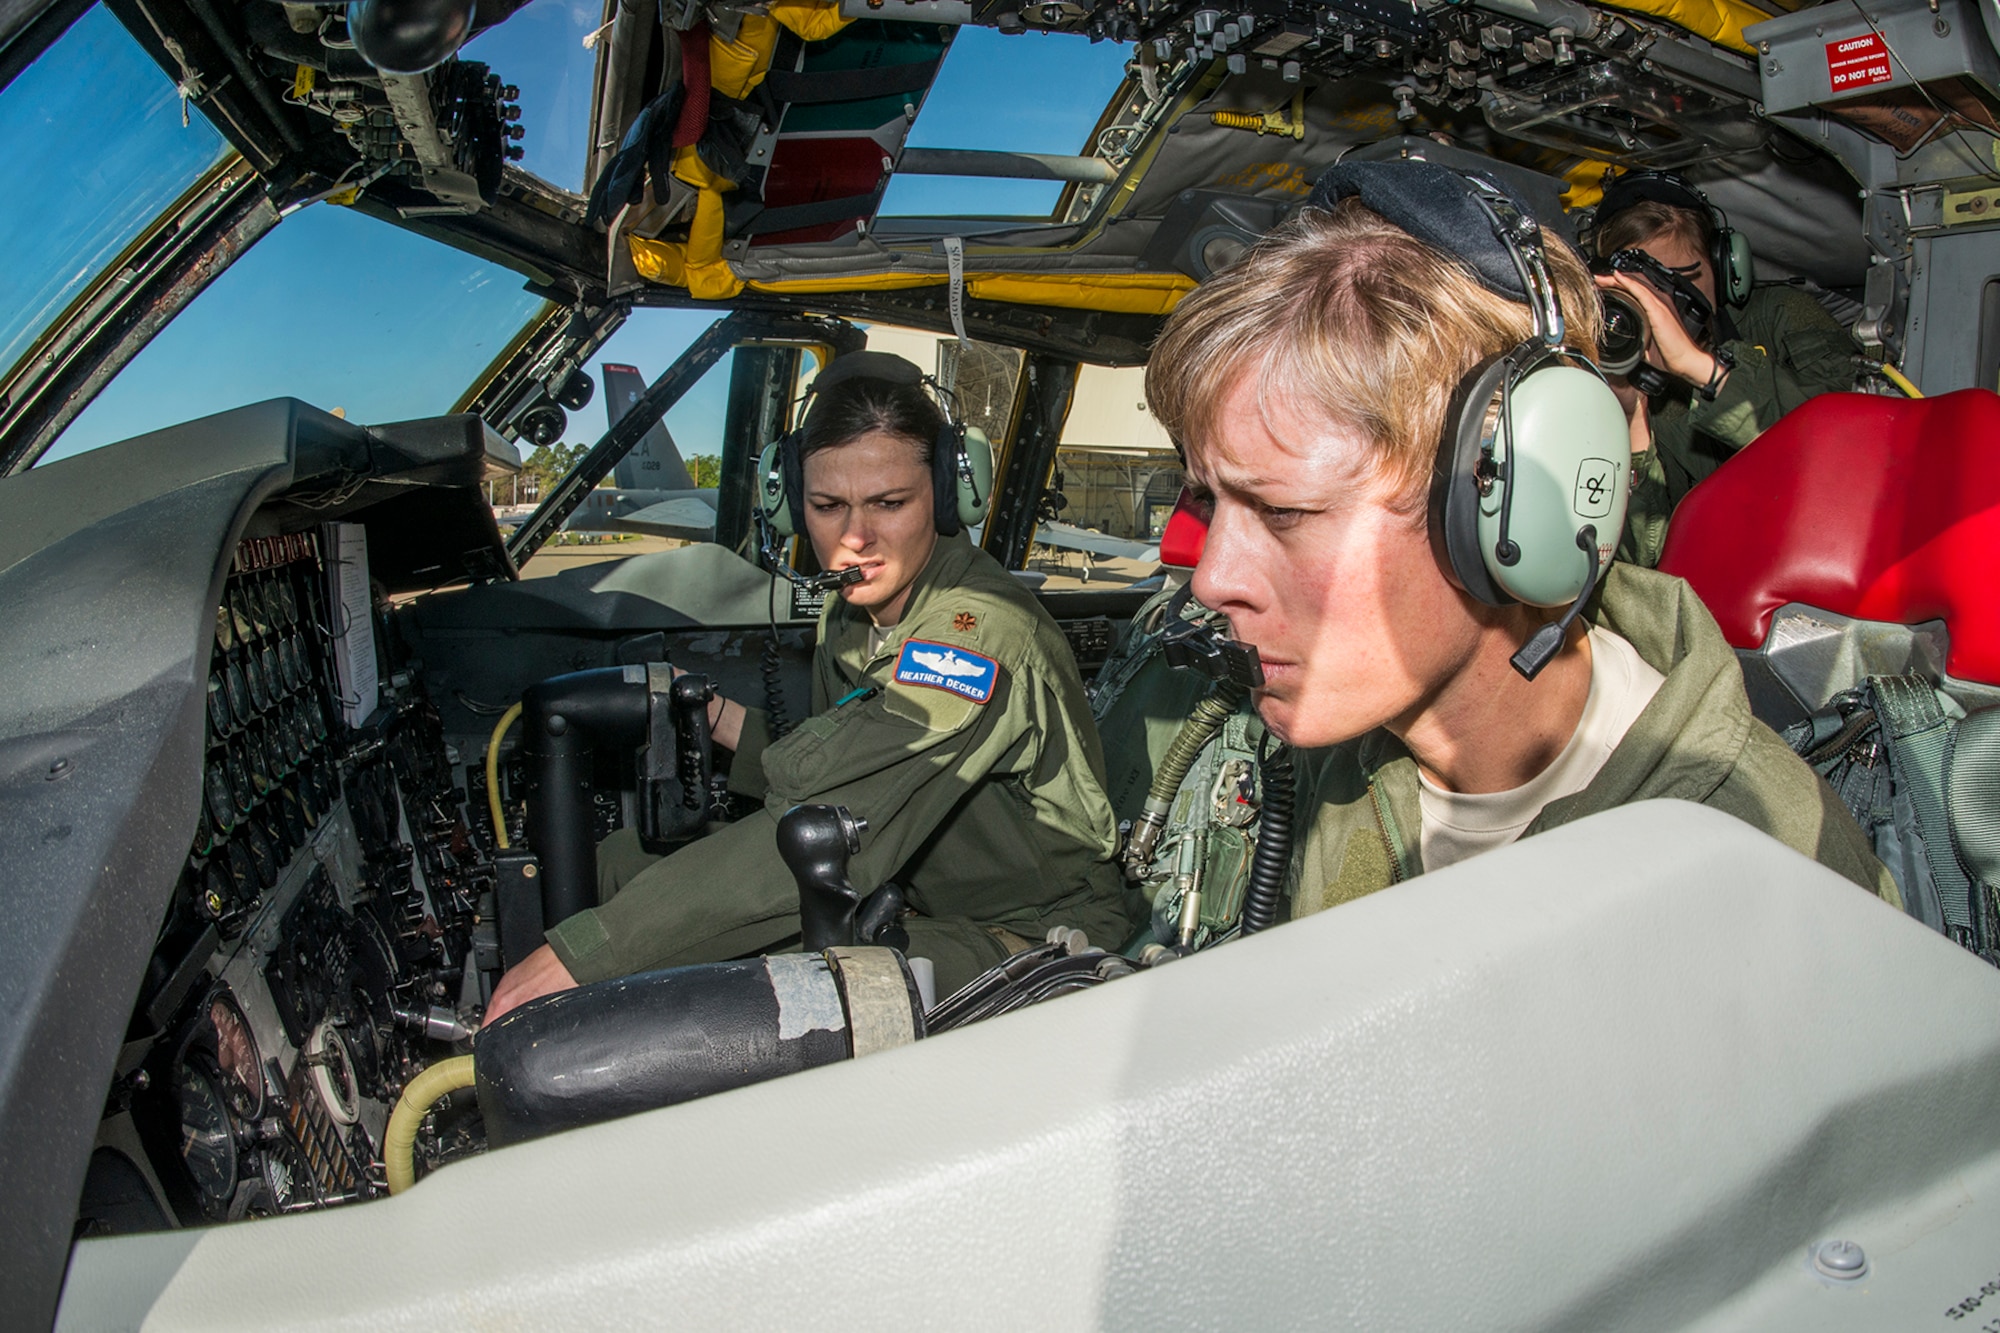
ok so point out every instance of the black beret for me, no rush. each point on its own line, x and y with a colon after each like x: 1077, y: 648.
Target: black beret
x: 1436, y: 205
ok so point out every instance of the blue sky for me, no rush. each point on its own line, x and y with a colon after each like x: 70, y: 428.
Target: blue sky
x: 343, y: 310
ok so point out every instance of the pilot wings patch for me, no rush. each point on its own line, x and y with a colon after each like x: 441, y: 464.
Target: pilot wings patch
x: 943, y: 667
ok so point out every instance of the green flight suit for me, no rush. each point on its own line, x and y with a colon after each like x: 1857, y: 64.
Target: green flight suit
x: 991, y: 815
x: 1696, y: 741
x: 1788, y: 350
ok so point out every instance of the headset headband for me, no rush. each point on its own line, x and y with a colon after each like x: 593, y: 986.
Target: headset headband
x: 1473, y: 217
x: 1658, y: 187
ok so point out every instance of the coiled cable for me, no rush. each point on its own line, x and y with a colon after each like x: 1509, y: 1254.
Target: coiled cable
x: 1273, y: 859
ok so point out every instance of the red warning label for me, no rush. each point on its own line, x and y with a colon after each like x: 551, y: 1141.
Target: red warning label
x: 1857, y: 62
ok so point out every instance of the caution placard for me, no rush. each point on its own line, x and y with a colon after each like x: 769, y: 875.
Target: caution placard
x: 1858, y: 62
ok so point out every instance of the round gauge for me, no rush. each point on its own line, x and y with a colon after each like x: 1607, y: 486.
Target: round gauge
x: 317, y: 716
x: 215, y: 892
x: 274, y: 752
x: 274, y: 676
x: 267, y: 602
x: 301, y: 792
x: 288, y: 603
x: 238, y: 777
x: 276, y: 829
x: 254, y: 768
x: 333, y: 1073
x: 220, y: 723
x: 208, y: 1141
x: 288, y: 665
x: 225, y: 628
x: 242, y: 872
x: 292, y: 812
x: 253, y: 606
x: 221, y: 801
x: 238, y: 616
x: 288, y: 1182
x: 236, y: 1056
x: 260, y: 690
x: 302, y: 657
x: 263, y: 856
x: 237, y: 685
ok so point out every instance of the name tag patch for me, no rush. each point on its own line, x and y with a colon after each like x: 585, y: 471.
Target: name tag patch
x: 943, y: 667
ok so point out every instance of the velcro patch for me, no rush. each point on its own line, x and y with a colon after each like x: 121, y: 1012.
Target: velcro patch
x: 943, y: 667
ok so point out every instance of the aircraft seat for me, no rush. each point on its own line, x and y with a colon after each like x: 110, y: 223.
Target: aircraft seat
x: 1181, y: 540
x: 1878, y: 509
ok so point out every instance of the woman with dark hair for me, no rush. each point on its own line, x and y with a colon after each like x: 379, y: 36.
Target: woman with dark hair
x: 947, y: 712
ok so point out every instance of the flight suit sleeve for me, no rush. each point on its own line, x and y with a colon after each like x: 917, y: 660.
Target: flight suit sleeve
x: 746, y: 769
x: 1791, y: 351
x: 1647, y: 508
x: 903, y: 761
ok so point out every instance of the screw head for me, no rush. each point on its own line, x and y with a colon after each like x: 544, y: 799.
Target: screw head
x: 1842, y: 1260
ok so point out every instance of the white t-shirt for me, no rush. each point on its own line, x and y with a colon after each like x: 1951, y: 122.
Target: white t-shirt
x: 1457, y: 825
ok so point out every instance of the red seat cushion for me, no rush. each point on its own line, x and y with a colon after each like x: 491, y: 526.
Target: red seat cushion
x: 1186, y: 531
x: 1876, y: 508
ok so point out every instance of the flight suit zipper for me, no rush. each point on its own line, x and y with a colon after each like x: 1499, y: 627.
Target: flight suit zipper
x: 1385, y: 821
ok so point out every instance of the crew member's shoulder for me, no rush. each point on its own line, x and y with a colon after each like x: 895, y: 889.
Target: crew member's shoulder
x: 1788, y: 306
x: 985, y: 609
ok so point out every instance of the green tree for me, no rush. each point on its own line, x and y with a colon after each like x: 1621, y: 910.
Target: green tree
x: 706, y: 469
x: 543, y: 468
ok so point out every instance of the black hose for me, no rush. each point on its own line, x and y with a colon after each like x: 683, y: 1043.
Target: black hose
x: 1273, y: 861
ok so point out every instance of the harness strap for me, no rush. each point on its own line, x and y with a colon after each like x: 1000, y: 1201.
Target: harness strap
x: 1972, y: 797
x: 1920, y: 744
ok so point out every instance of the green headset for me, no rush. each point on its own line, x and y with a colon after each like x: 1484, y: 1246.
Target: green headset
x: 1528, y: 494
x: 961, y: 456
x: 1729, y: 250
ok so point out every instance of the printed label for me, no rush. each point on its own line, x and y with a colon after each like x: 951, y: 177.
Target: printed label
x: 943, y: 667
x: 1858, y: 62
x: 1596, y: 481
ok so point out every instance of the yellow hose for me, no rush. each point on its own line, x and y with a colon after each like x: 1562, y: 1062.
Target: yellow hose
x: 1901, y: 381
x: 493, y: 775
x: 400, y: 1142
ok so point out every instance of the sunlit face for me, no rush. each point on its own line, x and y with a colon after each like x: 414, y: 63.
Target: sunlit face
x: 1685, y: 260
x: 1340, y: 593
x: 868, y: 505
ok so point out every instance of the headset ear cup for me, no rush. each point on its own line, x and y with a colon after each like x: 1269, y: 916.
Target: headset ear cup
x: 1738, y: 273
x: 792, y: 467
x: 944, y: 481
x: 1454, y: 497
x: 1571, y: 456
x: 773, y: 496
x: 973, y: 487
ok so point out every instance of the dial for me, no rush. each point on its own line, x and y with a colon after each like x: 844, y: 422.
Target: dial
x: 242, y: 872
x: 239, y: 779
x: 236, y: 1056
x: 220, y: 723
x: 238, y: 686
x: 225, y: 628
x: 274, y: 675
x: 260, y: 690
x: 288, y: 664
x: 255, y: 769
x: 263, y: 857
x: 221, y: 804
x: 288, y: 603
x: 208, y: 1140
x: 238, y: 616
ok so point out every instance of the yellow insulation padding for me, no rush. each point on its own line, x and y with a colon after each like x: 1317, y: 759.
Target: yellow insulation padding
x: 1721, y: 21
x: 872, y: 282
x: 1114, y: 293
x: 1586, y: 184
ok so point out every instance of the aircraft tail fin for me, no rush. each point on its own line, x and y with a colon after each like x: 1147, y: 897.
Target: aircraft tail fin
x: 654, y: 463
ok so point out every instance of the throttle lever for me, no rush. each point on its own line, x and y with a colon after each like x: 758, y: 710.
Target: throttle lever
x: 815, y: 842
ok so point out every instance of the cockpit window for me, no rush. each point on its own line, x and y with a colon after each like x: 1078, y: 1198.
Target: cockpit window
x: 333, y: 307
x: 540, y: 50
x: 1034, y: 92
x: 98, y: 143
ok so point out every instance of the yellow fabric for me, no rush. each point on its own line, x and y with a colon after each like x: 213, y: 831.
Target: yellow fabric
x: 1721, y: 21
x: 734, y: 68
x: 812, y: 20
x: 1586, y: 184
x: 873, y: 282
x: 1113, y: 293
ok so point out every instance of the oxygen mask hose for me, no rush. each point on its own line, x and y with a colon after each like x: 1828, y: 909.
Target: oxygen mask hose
x: 1273, y: 859
x: 1216, y: 708
x: 399, y: 1143
x: 493, y: 806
